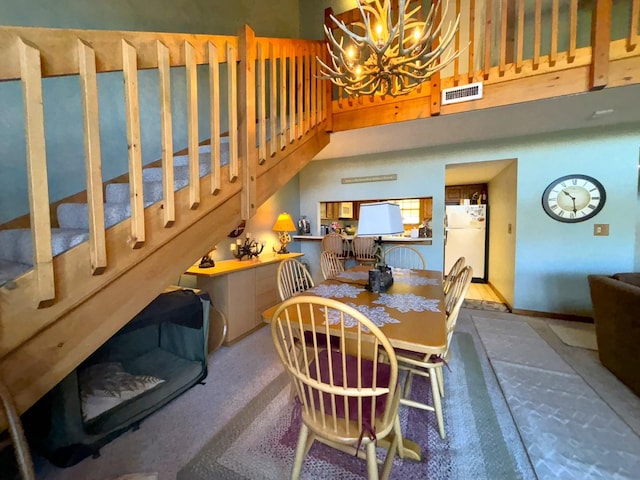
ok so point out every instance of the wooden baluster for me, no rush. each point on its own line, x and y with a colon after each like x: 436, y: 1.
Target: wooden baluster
x: 307, y: 88
x: 232, y: 100
x: 487, y: 39
x: 456, y: 62
x: 537, y: 34
x: 327, y: 103
x: 434, y: 80
x: 472, y: 41
x: 632, y: 41
x: 31, y: 76
x: 132, y: 113
x: 192, y: 125
x: 247, y: 127
x: 283, y: 96
x: 520, y: 44
x: 262, y: 107
x: 92, y: 157
x: 214, y: 117
x: 504, y: 10
x: 300, y: 91
x: 273, y: 101
x: 601, y: 39
x: 553, y: 53
x: 166, y: 134
x: 313, y: 74
x: 292, y: 94
x: 573, y: 30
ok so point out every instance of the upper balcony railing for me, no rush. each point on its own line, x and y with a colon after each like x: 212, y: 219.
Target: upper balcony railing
x: 504, y: 40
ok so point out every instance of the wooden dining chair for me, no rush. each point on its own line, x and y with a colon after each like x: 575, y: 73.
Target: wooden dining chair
x: 431, y: 365
x: 293, y: 277
x: 404, y: 256
x: 348, y: 398
x: 364, y: 251
x: 334, y: 242
x: 452, y: 273
x: 330, y: 265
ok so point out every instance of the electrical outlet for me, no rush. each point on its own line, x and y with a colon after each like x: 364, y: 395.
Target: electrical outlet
x: 601, y: 230
x: 509, y: 228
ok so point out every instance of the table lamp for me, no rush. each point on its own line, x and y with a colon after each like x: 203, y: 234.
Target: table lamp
x: 376, y: 220
x: 284, y: 224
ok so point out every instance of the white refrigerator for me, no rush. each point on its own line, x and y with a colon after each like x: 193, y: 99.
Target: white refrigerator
x: 465, y: 236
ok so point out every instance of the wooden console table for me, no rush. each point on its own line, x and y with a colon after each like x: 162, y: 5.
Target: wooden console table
x: 241, y: 290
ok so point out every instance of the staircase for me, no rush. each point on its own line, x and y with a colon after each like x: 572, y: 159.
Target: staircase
x: 65, y: 290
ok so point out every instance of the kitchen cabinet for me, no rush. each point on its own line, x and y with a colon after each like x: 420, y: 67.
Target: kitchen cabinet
x: 339, y: 210
x: 457, y: 193
x: 241, y: 291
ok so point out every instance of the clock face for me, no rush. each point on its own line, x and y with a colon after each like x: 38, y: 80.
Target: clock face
x: 573, y: 198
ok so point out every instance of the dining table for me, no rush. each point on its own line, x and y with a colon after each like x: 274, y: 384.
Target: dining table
x: 411, y: 312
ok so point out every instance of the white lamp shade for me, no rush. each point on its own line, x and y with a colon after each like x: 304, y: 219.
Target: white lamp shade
x: 382, y: 218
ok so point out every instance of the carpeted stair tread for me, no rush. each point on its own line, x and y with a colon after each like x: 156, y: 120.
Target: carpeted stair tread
x: 154, y: 174
x: 76, y: 215
x: 16, y: 245
x: 152, y: 191
x: 11, y: 270
x: 16, y: 249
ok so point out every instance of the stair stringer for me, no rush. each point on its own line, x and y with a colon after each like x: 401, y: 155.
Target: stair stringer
x: 59, y: 338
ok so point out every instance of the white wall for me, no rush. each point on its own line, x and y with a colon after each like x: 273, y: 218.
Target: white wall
x: 552, y: 259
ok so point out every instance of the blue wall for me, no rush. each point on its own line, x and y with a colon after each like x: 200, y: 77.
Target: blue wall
x: 552, y: 259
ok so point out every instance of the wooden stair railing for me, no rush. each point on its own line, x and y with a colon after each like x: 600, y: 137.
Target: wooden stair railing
x: 53, y: 317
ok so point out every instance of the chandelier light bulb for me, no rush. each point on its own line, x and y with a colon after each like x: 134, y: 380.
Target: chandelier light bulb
x: 379, y: 36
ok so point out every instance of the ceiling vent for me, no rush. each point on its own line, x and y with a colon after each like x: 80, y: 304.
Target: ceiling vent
x: 464, y: 93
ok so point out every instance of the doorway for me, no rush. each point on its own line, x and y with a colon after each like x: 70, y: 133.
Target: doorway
x: 491, y: 224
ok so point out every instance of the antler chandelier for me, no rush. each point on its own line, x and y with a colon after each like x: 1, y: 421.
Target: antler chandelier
x: 381, y: 57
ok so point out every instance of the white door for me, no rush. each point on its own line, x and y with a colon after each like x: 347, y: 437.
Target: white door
x: 467, y: 243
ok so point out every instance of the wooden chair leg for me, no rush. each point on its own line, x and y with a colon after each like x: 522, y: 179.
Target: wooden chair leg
x: 406, y: 390
x: 20, y: 446
x: 372, y: 462
x: 437, y: 405
x: 391, y: 453
x: 300, y: 452
x: 398, y: 435
x: 440, y: 380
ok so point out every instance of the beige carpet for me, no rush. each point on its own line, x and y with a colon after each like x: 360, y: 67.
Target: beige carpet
x: 576, y: 334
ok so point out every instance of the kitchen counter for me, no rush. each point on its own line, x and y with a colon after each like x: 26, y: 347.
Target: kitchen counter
x: 385, y: 239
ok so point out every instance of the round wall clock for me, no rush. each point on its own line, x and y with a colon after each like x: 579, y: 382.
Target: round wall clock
x: 573, y: 198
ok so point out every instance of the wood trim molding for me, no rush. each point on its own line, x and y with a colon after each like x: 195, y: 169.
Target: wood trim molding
x: 558, y: 316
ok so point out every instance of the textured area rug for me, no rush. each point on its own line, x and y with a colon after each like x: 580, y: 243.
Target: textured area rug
x: 482, y: 441
x: 570, y: 431
x: 484, y: 305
